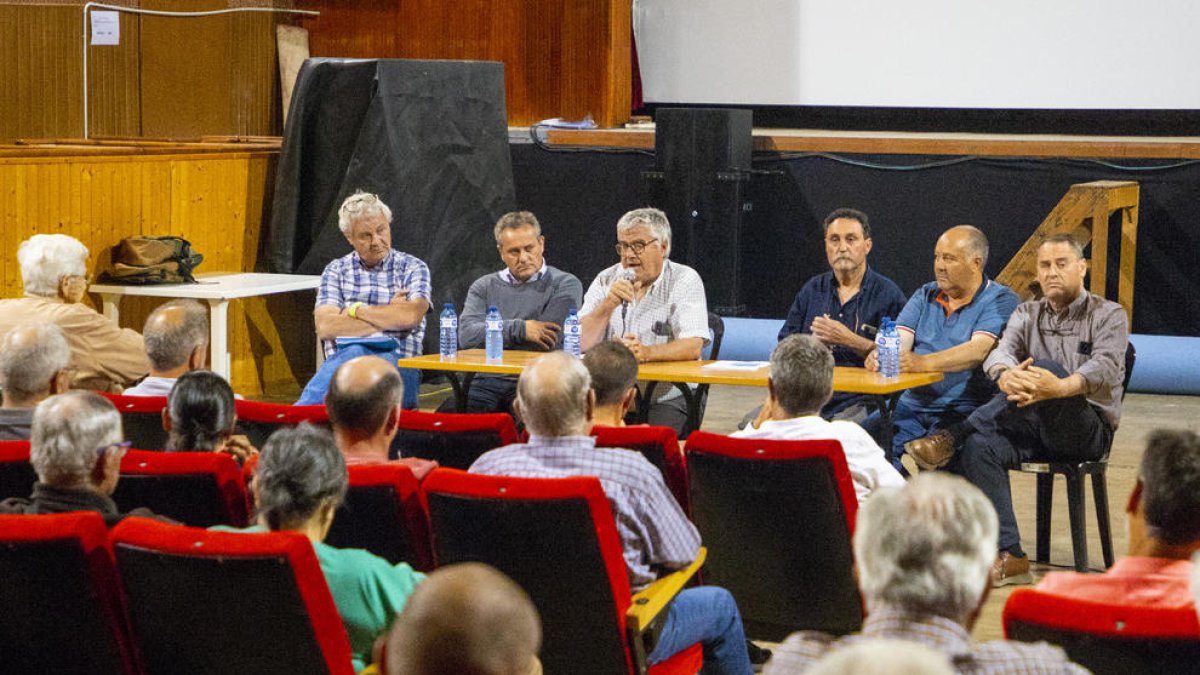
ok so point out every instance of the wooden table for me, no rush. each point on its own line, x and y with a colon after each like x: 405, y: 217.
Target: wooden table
x: 884, y: 391
x: 217, y: 289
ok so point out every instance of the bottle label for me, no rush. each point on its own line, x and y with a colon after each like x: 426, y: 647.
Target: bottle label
x: 449, y: 323
x: 495, y: 324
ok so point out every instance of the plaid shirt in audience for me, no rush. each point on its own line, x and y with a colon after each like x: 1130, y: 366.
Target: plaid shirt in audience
x: 801, y: 650
x: 655, y: 533
x: 346, y: 281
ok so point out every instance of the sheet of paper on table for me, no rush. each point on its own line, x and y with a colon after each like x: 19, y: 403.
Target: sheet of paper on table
x: 736, y: 365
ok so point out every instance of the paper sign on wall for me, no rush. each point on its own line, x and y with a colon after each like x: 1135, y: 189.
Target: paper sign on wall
x: 106, y: 28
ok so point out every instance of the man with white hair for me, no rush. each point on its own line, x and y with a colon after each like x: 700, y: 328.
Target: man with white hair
x: 54, y: 273
x: 33, y: 366
x: 76, y: 450
x: 656, y: 306
x: 555, y: 400
x: 924, y: 554
x: 373, y: 291
x: 798, y: 387
x: 176, y: 336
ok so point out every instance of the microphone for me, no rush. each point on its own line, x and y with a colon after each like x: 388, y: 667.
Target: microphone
x: 628, y: 275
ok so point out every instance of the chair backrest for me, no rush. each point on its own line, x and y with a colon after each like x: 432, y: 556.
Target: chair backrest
x: 258, y: 420
x: 382, y: 513
x: 657, y: 444
x: 777, y: 518
x: 62, y: 610
x: 556, y: 537
x: 1107, y: 638
x: 141, y: 419
x: 1130, y: 362
x: 200, y: 489
x: 455, y: 440
x: 213, y: 602
x: 16, y: 473
x: 716, y: 328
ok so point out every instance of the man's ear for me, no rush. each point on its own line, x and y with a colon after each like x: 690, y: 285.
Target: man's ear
x: 392, y: 423
x: 591, y: 405
x: 1135, y: 498
x: 198, y: 358
x: 166, y: 420
x: 61, y: 381
x: 628, y: 400
x: 517, y: 410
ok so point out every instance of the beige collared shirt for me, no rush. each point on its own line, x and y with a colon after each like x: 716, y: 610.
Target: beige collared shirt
x: 105, y: 357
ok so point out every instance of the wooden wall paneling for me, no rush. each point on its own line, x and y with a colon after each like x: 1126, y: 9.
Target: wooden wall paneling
x: 40, y: 68
x: 186, y: 78
x: 114, y: 81
x: 254, y: 72
x: 369, y: 29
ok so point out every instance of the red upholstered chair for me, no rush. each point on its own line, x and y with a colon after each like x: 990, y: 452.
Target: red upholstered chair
x: 777, y: 517
x: 657, y: 444
x: 141, y: 419
x: 227, y: 602
x: 556, y: 538
x: 258, y: 420
x: 1107, y: 638
x: 201, y: 489
x: 16, y: 474
x: 455, y: 440
x: 382, y: 513
x: 62, y: 609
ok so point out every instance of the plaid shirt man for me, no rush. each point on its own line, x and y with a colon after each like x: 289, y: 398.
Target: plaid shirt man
x: 655, y: 533
x: 346, y: 281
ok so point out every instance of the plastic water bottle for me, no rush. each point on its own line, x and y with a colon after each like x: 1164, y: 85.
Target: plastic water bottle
x: 887, y: 348
x: 571, y: 333
x: 449, y: 332
x: 494, y: 343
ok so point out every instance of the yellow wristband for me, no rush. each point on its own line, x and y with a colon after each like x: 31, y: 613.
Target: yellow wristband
x: 353, y: 311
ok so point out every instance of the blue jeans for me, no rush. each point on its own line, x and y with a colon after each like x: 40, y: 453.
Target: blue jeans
x: 708, y: 615
x: 314, y: 391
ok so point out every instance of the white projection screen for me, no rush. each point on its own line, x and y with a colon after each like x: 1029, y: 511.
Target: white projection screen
x: 1018, y: 54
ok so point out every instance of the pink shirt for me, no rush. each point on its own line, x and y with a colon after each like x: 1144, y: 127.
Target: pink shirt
x: 1134, y: 581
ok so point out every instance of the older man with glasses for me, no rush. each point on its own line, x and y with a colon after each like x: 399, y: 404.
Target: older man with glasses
x: 655, y: 306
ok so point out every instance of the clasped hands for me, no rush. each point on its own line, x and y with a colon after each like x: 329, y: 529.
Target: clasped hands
x: 1026, y: 384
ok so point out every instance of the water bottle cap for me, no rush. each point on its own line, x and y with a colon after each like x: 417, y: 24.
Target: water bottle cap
x: 448, y: 305
x: 492, y: 308
x: 572, y: 311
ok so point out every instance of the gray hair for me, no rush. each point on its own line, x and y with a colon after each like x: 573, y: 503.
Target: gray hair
x: 882, y: 656
x: 801, y: 374
x: 1063, y: 239
x: 299, y: 469
x: 653, y: 219
x: 514, y: 219
x: 613, y: 369
x: 358, y: 206
x: 30, y: 355
x: 552, y: 393
x: 46, y: 258
x: 977, y: 242
x: 170, y: 342
x: 927, y: 547
x: 465, y: 619
x: 68, y: 430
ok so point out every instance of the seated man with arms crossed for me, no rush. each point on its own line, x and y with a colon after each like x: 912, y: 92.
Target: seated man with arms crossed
x: 34, y: 359
x: 799, y: 385
x: 923, y: 554
x: 533, y: 298
x: 555, y: 401
x: 176, y: 335
x: 613, y: 369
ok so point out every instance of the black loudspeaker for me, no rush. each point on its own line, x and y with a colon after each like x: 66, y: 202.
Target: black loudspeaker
x: 703, y: 163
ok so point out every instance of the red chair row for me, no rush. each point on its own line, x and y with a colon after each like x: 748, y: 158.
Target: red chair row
x: 141, y: 417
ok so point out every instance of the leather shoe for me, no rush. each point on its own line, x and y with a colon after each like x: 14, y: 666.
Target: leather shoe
x: 1011, y: 570
x: 933, y: 451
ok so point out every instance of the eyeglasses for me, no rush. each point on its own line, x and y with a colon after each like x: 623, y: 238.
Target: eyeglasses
x: 360, y: 201
x: 121, y: 447
x: 636, y: 246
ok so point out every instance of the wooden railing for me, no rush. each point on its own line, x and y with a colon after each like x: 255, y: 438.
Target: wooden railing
x: 1084, y: 212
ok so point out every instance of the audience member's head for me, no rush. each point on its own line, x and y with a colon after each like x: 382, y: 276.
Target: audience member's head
x: 882, y: 656
x: 366, y: 222
x: 53, y: 264
x: 299, y: 480
x: 554, y: 396
x: 364, y: 397
x: 801, y: 379
x: 76, y: 442
x: 200, y: 414
x: 34, y: 358
x: 959, y: 257
x: 465, y: 619
x: 927, y: 548
x: 176, y: 335
x: 1165, y: 506
x: 613, y: 369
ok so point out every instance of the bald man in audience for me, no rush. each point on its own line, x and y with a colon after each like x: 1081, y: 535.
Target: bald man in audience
x: 176, y: 336
x: 1164, y: 532
x: 465, y: 619
x: 34, y: 360
x: 364, y: 402
x: 614, y: 369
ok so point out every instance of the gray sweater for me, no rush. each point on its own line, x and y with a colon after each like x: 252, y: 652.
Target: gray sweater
x: 547, y: 299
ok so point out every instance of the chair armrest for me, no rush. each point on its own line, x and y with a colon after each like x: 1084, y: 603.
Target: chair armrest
x: 650, y: 601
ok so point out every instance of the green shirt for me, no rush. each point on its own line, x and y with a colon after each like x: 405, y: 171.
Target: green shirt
x: 367, y: 590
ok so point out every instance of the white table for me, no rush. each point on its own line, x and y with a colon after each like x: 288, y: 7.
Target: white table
x: 217, y: 289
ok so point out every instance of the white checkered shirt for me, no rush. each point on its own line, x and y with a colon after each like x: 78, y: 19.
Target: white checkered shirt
x: 674, y: 307
x: 346, y: 281
x: 655, y: 533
